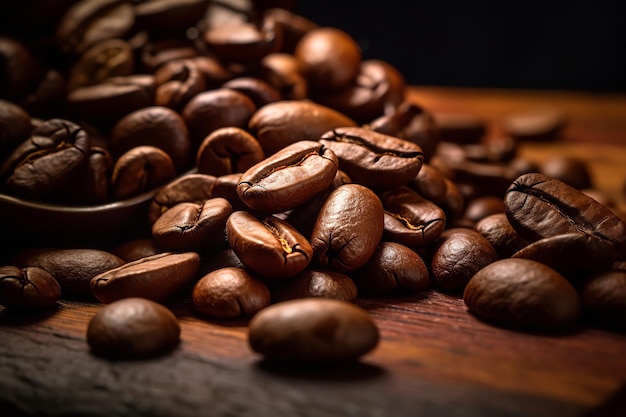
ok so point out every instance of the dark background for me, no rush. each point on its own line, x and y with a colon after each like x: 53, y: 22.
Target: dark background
x: 560, y: 45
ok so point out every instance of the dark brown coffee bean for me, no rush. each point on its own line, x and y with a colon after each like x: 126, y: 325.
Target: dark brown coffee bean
x: 604, y: 297
x: 246, y: 42
x: 392, y: 268
x: 15, y: 126
x: 226, y: 187
x: 411, y: 219
x: 281, y: 70
x: 268, y: 246
x: 573, y: 255
x: 106, y: 59
x: 168, y: 17
x: 348, y: 228
x: 133, y: 328
x: 572, y: 171
x: 522, y: 293
x: 499, y: 232
x: 540, y: 124
x: 72, y: 268
x: 454, y: 202
x: 481, y: 207
x: 215, y: 72
x: 315, y: 283
x: 457, y: 255
x: 191, y: 188
x: 230, y: 292
x: 228, y: 150
x: 280, y: 124
x: 460, y: 127
x: 155, y: 126
x: 141, y: 169
x: 92, y: 182
x: 28, y: 289
x: 292, y: 25
x: 177, y: 82
x: 288, y: 178
x: 373, y: 159
x: 193, y: 227
x: 155, y: 53
x: 211, y: 110
x: 259, y: 91
x: 155, y: 277
x: 430, y: 183
x: 135, y: 249
x: 329, y: 57
x: 539, y: 206
x: 313, y: 330
x: 225, y: 258
x: 44, y: 162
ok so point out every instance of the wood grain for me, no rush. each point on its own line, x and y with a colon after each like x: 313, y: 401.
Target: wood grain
x: 434, y: 358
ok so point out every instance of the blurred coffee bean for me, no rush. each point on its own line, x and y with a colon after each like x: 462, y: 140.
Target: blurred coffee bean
x: 570, y: 170
x: 315, y: 283
x: 28, y: 289
x: 538, y: 124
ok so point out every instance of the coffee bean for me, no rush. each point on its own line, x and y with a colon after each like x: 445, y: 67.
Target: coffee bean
x: 259, y: 91
x: 603, y: 296
x: 460, y: 127
x: 315, y: 283
x: 191, y: 188
x: 177, y: 82
x: 134, y: 249
x: 570, y: 170
x: 15, y: 126
x: 154, y: 277
x: 502, y: 236
x: 106, y: 59
x: 522, y: 293
x: 133, y: 328
x: 537, y: 124
x: 230, y: 292
x: 313, y: 330
x: 228, y: 150
x: 28, y: 289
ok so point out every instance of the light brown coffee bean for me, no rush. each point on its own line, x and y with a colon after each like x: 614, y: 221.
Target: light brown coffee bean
x: 133, y: 328
x: 313, y: 330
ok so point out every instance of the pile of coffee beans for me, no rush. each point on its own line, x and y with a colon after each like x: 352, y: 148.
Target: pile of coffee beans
x: 291, y: 176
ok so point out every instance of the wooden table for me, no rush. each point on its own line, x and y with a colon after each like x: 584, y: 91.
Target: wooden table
x: 434, y: 359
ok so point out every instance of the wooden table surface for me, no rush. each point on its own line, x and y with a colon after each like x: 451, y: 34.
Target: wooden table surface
x: 434, y: 358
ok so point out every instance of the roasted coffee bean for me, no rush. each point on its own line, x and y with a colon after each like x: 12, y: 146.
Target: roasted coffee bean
x: 315, y: 283
x: 141, y: 169
x: 430, y: 183
x: 72, y: 268
x: 259, y: 91
x: 155, y: 126
x: 373, y: 159
x: 457, y: 255
x: 329, y: 57
x: 289, y: 177
x: 226, y: 187
x: 313, y: 330
x: 44, y: 162
x: 410, y: 122
x: 392, y: 268
x: 191, y: 188
x: 280, y: 124
x: 481, y: 207
x: 28, y: 289
x: 228, y: 150
x: 15, y: 126
x: 193, y: 227
x: 524, y: 294
x: 604, y: 297
x: 230, y: 292
x: 348, y: 228
x: 168, y: 17
x: 211, y: 110
x: 499, y: 232
x: 109, y: 101
x: 135, y: 249
x: 106, y: 59
x: 155, y: 53
x: 225, y: 258
x: 88, y: 22
x: 155, y: 277
x: 570, y: 170
x: 411, y: 219
x: 460, y: 127
x: 573, y: 255
x: 133, y: 328
x: 539, y: 124
x: 177, y: 82
x: 281, y: 70
x: 490, y: 150
x: 292, y: 25
x: 215, y: 72
x: 268, y: 246
x: 539, y: 206
x: 92, y: 182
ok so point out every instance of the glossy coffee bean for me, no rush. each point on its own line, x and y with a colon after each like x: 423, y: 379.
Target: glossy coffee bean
x: 140, y: 169
x: 177, y: 82
x: 430, y: 183
x: 348, y: 228
x: 315, y: 283
x: 91, y: 184
x: 230, y: 292
x: 72, y: 268
x: 373, y: 159
x: 288, y: 178
x: 539, y: 206
x: 281, y: 70
x: 293, y: 26
x: 228, y: 150
x: 522, y: 293
x: 154, y: 277
x: 193, y: 227
x: 604, y: 297
x: 28, y: 289
x: 313, y: 330
x: 259, y: 91
x: 499, y: 232
x: 411, y: 219
x: 268, y: 245
x: 457, y: 255
x: 133, y: 328
x: 392, y: 268
x: 191, y: 188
